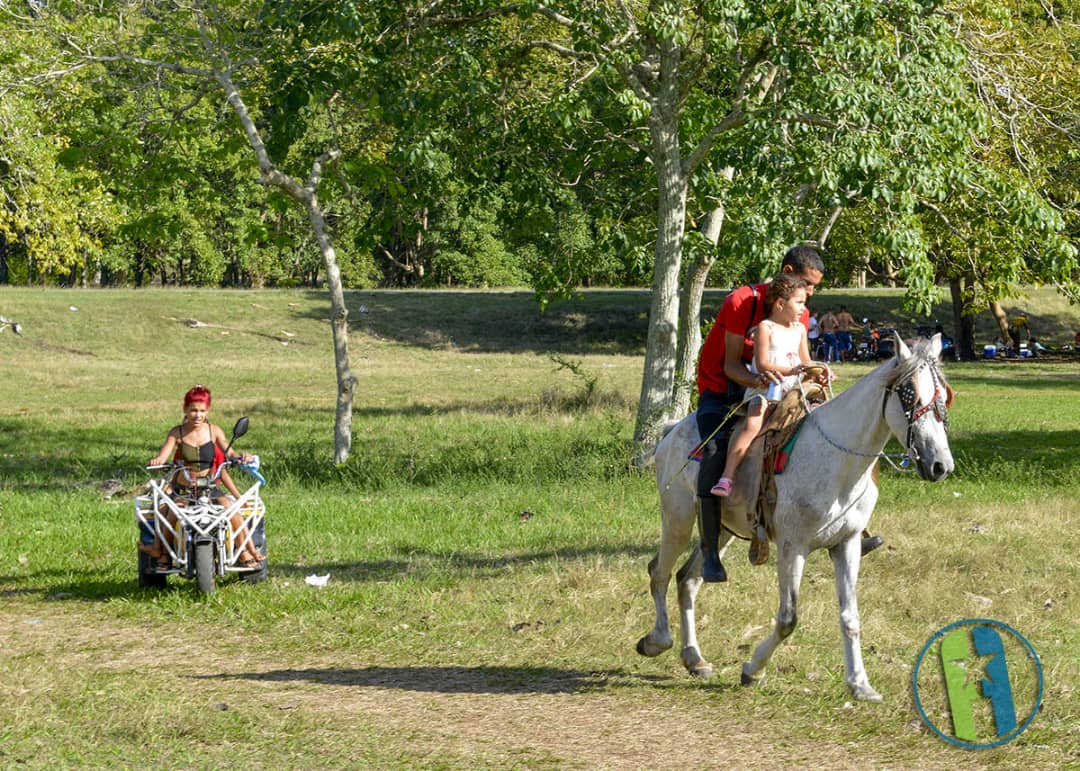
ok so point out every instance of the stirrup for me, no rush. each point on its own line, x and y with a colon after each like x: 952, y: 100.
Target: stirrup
x: 759, y: 546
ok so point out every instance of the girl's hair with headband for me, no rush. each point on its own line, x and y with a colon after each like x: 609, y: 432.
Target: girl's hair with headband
x: 199, y: 393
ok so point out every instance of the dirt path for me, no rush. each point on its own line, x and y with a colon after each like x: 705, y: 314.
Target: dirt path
x: 463, y: 712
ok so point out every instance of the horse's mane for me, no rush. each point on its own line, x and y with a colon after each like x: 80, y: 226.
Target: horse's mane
x: 921, y: 354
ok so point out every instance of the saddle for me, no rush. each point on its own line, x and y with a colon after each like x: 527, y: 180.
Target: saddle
x: 778, y: 433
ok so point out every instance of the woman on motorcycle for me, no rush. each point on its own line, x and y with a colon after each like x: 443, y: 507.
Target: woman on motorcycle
x: 202, y: 446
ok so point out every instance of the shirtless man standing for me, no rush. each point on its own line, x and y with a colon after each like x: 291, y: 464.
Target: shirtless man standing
x: 829, y: 325
x: 844, y: 322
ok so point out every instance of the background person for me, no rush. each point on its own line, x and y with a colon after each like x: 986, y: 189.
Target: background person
x: 1019, y: 329
x: 813, y: 336
x: 844, y: 323
x: 829, y: 325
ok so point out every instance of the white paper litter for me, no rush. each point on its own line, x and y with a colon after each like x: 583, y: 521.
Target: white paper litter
x: 314, y: 580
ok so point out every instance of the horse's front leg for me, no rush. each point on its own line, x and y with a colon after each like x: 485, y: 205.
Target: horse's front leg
x: 789, y: 570
x: 845, y: 557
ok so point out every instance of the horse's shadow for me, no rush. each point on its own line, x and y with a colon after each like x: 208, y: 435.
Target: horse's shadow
x: 459, y: 679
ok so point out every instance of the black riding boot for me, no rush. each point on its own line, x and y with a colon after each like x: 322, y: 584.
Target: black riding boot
x: 712, y: 570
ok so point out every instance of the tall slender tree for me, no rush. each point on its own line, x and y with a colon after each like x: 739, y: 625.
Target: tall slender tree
x: 204, y: 48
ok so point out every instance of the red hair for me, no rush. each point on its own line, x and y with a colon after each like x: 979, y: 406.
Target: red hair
x: 199, y: 393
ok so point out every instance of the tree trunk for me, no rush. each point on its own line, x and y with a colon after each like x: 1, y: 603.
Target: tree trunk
x: 689, y: 337
x: 340, y: 329
x: 658, y: 376
x: 963, y: 325
x: 3, y: 259
x: 138, y: 273
x: 690, y: 312
x: 29, y: 260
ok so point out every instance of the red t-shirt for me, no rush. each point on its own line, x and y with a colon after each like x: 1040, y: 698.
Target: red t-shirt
x: 738, y: 314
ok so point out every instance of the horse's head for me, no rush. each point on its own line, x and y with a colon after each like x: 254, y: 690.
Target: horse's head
x: 916, y: 407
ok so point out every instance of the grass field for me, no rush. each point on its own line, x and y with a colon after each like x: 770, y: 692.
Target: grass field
x: 486, y: 545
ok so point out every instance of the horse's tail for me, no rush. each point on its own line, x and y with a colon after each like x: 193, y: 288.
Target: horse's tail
x: 645, y: 459
x: 648, y: 457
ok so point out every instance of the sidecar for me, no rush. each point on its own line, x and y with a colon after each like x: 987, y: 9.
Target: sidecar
x: 196, y: 537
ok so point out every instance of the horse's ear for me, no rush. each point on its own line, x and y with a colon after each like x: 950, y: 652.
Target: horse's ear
x: 935, y: 345
x: 902, y: 351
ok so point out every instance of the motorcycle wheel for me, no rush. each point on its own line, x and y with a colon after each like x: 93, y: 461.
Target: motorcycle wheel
x: 204, y: 567
x: 147, y: 578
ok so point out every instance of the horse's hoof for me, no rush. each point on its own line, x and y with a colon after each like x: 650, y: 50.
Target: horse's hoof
x: 866, y: 693
x: 702, y: 671
x: 871, y: 543
x: 645, y: 648
x: 748, y: 680
x: 696, y: 665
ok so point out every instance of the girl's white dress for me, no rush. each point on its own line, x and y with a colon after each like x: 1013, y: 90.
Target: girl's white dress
x: 783, y: 350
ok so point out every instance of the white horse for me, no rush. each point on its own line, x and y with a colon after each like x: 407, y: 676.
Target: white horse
x: 824, y: 500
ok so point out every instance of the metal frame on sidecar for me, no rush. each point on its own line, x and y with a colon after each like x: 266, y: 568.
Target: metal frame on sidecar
x: 151, y: 516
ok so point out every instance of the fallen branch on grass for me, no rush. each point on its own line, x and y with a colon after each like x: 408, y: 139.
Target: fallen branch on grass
x: 285, y: 338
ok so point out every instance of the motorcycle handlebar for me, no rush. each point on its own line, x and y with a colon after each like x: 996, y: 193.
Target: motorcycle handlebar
x: 251, y: 467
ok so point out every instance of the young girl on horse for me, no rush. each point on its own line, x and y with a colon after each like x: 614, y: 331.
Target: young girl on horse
x: 781, y: 351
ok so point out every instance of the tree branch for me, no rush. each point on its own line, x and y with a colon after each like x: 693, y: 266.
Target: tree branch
x: 561, y: 50
x: 732, y: 120
x: 834, y: 215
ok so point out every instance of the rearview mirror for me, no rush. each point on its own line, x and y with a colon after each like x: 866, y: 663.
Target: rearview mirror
x: 240, y: 428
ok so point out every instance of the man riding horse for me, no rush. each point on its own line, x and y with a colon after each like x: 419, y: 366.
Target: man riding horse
x: 723, y: 376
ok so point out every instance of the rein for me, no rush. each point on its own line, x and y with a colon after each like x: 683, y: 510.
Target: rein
x: 904, y: 458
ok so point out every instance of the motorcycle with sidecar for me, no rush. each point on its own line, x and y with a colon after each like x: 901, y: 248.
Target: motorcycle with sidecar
x: 182, y: 519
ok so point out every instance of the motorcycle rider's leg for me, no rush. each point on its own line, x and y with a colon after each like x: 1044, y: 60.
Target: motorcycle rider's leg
x: 250, y: 555
x: 154, y: 549
x: 159, y: 550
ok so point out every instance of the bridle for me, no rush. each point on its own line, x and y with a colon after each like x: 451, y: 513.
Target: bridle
x: 908, y: 393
